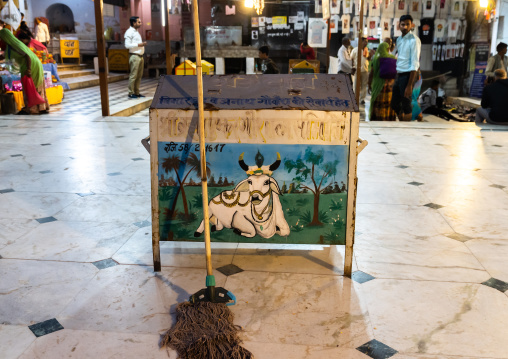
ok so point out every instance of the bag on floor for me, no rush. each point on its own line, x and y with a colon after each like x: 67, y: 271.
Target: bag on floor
x: 387, y: 68
x: 8, y: 104
x: 31, y: 95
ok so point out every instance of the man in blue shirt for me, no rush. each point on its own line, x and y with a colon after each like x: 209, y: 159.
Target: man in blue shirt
x: 408, y: 64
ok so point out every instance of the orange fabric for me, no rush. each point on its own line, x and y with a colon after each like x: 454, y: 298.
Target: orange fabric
x: 18, y: 97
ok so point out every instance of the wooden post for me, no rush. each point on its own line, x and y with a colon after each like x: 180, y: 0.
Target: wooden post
x: 328, y: 47
x: 101, y: 53
x: 359, y: 59
x: 169, y: 67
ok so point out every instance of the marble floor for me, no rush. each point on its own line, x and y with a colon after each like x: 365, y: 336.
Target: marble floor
x: 430, y: 265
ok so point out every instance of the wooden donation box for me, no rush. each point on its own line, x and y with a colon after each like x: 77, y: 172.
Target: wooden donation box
x: 281, y: 154
x: 118, y: 59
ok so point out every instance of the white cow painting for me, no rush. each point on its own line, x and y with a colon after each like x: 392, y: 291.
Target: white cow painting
x: 252, y: 207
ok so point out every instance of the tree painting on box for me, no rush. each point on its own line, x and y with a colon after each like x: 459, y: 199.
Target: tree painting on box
x: 257, y: 193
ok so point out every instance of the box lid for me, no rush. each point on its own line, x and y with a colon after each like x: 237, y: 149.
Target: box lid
x: 320, y: 92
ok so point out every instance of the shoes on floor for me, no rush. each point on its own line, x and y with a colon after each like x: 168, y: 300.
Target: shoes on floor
x: 140, y: 95
x: 133, y: 96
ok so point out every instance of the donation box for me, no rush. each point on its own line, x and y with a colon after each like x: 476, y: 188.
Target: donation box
x: 281, y: 158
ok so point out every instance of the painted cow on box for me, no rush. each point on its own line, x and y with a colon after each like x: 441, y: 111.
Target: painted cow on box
x: 253, y: 207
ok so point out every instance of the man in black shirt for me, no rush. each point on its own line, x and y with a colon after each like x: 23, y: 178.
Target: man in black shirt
x: 267, y: 64
x: 494, y: 101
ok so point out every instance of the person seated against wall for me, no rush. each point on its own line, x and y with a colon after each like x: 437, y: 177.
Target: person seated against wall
x: 428, y: 102
x: 497, y: 62
x: 307, y: 52
x: 495, y: 101
x: 268, y: 66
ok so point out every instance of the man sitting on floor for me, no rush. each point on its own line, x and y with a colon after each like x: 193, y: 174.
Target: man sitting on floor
x: 495, y: 101
x: 428, y: 102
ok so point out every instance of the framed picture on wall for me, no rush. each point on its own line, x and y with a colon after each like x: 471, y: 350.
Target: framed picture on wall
x: 316, y: 35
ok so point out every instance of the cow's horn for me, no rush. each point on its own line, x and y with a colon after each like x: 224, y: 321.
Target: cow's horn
x: 276, y: 164
x: 242, y: 163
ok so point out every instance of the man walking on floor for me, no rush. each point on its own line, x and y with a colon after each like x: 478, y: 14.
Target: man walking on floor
x: 408, y: 63
x: 346, y: 64
x: 136, y: 47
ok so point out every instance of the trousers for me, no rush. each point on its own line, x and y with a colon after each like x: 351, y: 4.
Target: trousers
x: 136, y: 64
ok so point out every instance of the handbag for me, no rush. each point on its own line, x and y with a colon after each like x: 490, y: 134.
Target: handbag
x: 32, y: 96
x: 387, y: 68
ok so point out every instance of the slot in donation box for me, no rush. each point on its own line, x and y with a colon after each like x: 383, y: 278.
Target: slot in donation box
x: 281, y: 154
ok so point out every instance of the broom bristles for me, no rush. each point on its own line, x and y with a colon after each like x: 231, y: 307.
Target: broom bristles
x: 205, y: 331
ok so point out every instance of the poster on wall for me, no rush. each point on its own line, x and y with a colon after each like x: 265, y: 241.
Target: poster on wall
x: 300, y: 15
x: 478, y: 83
x: 326, y: 9
x: 254, y: 22
x: 262, y: 21
x: 318, y: 7
x: 345, y: 24
x: 335, y: 7
x: 317, y: 32
x: 334, y: 24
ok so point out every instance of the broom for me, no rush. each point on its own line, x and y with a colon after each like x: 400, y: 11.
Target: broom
x: 204, y: 326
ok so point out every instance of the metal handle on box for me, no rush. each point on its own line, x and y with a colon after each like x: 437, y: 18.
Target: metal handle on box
x: 146, y: 143
x: 362, y: 144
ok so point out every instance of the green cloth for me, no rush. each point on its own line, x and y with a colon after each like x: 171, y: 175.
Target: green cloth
x: 16, y: 51
x: 377, y: 82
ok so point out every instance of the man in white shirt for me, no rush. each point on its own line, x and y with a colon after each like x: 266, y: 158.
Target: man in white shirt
x: 42, y: 32
x: 136, y: 46
x: 364, y: 69
x: 346, y: 65
x: 408, y: 64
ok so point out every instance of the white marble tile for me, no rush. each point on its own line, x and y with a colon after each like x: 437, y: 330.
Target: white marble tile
x: 477, y: 223
x: 32, y: 205
x: 427, y: 356
x: 413, y: 257
x: 80, y: 344
x: 417, y: 220
x: 107, y: 208
x: 34, y: 291
x: 471, y: 198
x: 382, y: 173
x: 70, y: 241
x: 14, y: 340
x: 132, y: 299
x: 499, y: 177
x: 493, y: 254
x: 438, y: 318
x: 293, y: 351
x: 133, y: 180
x: 138, y: 250
x: 12, y: 229
x: 302, y: 309
x: 441, y: 177
x: 291, y: 258
x: 389, y: 193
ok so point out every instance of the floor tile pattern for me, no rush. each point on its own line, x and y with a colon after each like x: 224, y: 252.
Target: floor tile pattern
x: 361, y: 277
x: 496, y: 284
x: 229, y: 269
x: 87, y: 101
x: 428, y: 282
x: 377, y: 350
x: 46, y: 327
